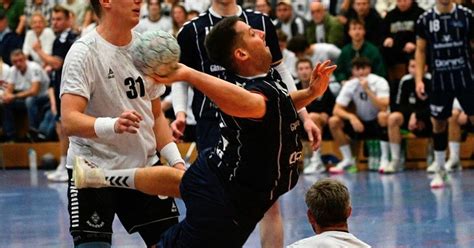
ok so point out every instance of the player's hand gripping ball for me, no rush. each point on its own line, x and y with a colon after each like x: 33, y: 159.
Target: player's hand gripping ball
x: 155, y: 52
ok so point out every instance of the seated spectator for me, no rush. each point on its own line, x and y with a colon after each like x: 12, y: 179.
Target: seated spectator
x: 370, y: 95
x: 4, y: 75
x: 42, y: 6
x: 26, y: 88
x: 154, y: 20
x: 13, y: 10
x: 329, y: 207
x: 39, y: 33
x: 192, y: 14
x: 290, y: 23
x: 179, y: 15
x: 316, y: 52
x: 323, y: 27
x: 9, y: 40
x: 167, y: 5
x: 408, y: 112
x: 264, y: 6
x: 362, y: 11
x: 399, y: 37
x: 358, y: 47
x: 289, y: 58
x: 78, y: 9
x: 319, y: 111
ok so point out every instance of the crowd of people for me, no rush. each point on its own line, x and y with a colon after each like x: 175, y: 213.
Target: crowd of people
x: 401, y: 65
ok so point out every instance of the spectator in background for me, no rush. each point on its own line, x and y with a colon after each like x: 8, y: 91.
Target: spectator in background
x: 370, y: 95
x: 288, y: 21
x: 361, y: 10
x: 41, y: 33
x: 26, y: 88
x: 319, y: 111
x: 399, y: 37
x: 65, y: 38
x: 4, y: 75
x: 426, y: 4
x: 289, y: 58
x: 324, y: 28
x: 329, y: 207
x: 14, y: 10
x: 384, y: 6
x: 408, y: 112
x: 264, y: 7
x: 155, y: 20
x: 192, y: 14
x: 42, y: 6
x: 316, y: 52
x: 179, y: 16
x: 9, y: 40
x: 78, y: 8
x: 198, y: 5
x: 358, y: 47
x: 167, y: 5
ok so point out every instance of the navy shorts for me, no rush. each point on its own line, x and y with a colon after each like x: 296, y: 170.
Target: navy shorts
x: 210, y: 216
x: 92, y: 211
x: 371, y: 130
x: 441, y: 102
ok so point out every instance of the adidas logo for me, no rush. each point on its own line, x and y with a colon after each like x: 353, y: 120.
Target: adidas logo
x: 111, y: 74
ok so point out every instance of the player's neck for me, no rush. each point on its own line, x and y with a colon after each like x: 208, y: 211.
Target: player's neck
x: 225, y: 9
x: 341, y: 228
x: 115, y: 36
x: 444, y: 9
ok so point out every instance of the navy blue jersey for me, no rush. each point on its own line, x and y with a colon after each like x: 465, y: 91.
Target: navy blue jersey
x: 193, y: 52
x: 257, y: 158
x: 449, y: 52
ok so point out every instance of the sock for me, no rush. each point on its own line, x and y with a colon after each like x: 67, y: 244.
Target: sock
x: 62, y: 161
x: 454, y: 148
x: 384, y: 149
x: 440, y: 157
x: 316, y: 155
x: 346, y: 152
x: 124, y: 178
x: 395, y: 151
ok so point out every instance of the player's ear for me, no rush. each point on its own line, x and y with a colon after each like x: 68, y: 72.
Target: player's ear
x: 106, y: 3
x: 240, y: 54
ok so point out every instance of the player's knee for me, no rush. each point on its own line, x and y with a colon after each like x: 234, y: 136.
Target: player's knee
x: 395, y: 119
x: 439, y: 126
x: 382, y: 118
x: 335, y: 122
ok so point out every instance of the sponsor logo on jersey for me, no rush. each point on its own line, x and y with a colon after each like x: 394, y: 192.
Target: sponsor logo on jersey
x: 111, y: 74
x: 436, y: 110
x: 215, y: 68
x: 95, y: 221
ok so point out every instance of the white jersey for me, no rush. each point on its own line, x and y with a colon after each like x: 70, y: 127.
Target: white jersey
x: 352, y: 92
x: 164, y: 24
x: 4, y: 73
x: 33, y: 73
x: 330, y: 239
x: 104, y: 74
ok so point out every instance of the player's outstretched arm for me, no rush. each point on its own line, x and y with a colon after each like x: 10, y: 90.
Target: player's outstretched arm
x: 230, y: 99
x: 317, y: 86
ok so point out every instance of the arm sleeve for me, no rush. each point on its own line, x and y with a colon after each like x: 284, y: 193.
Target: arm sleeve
x: 74, y: 78
x: 286, y: 77
x: 179, y: 92
x: 382, y: 90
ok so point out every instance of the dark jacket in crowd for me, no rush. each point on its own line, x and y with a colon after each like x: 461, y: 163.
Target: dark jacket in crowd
x: 373, y: 26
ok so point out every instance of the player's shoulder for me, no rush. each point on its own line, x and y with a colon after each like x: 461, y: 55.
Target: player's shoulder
x: 406, y: 77
x: 464, y: 9
x: 377, y: 79
x: 425, y: 15
x: 253, y: 15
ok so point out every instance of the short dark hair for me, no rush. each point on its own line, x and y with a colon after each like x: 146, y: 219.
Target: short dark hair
x: 329, y: 202
x: 2, y: 14
x: 281, y: 35
x: 58, y: 8
x: 304, y: 60
x: 221, y: 41
x: 361, y: 62
x: 95, y: 4
x: 298, y: 44
x: 16, y: 52
x: 357, y: 21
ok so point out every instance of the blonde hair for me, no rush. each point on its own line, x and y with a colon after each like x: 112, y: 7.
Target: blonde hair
x: 39, y: 14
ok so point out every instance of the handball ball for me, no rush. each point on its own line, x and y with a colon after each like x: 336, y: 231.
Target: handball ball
x: 155, y: 52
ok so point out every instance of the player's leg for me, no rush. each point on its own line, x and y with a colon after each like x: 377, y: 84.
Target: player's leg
x: 395, y: 121
x: 382, y: 119
x: 336, y: 125
x: 454, y: 143
x: 60, y: 174
x: 271, y: 228
x: 316, y: 164
x: 156, y: 180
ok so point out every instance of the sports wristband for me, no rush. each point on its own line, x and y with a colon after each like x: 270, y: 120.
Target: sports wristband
x: 171, y: 153
x: 104, y: 127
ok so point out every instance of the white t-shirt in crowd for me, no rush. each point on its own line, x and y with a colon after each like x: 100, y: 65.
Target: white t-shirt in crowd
x: 323, y: 52
x: 34, y: 73
x: 4, y: 72
x: 104, y: 74
x: 163, y: 24
x: 198, y: 5
x: 352, y: 92
x: 46, y: 39
x: 330, y: 239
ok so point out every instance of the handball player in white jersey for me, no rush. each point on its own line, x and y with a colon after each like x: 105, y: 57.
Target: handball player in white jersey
x: 113, y: 117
